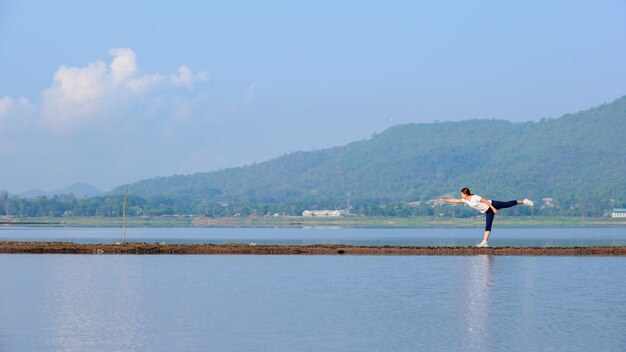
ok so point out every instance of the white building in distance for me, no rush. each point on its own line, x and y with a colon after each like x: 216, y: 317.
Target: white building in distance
x: 324, y: 213
x: 618, y: 213
x: 547, y: 203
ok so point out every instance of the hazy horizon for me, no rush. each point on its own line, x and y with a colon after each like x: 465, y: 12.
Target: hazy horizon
x: 108, y: 94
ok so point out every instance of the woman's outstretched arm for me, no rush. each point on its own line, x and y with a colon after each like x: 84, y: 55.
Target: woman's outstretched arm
x: 450, y: 200
x: 495, y: 211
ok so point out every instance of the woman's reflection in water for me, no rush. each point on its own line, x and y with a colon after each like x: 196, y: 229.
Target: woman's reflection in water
x: 477, y: 302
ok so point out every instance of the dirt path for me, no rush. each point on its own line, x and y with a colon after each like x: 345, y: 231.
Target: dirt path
x: 155, y: 248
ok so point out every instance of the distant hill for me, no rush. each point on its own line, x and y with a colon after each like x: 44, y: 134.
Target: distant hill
x: 79, y: 190
x: 579, y: 160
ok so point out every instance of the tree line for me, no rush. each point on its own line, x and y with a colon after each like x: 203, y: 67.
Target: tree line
x: 112, y: 206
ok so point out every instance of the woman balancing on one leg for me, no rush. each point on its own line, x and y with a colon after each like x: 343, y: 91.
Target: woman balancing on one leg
x: 487, y: 207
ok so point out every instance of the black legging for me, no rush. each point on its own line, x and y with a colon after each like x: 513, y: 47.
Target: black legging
x: 498, y: 205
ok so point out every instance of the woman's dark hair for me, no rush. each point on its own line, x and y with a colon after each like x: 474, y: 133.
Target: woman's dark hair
x: 466, y: 191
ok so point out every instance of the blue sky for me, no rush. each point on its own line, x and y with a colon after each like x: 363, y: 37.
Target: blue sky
x: 112, y: 92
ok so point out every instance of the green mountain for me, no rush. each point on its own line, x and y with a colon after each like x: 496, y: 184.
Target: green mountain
x: 579, y: 160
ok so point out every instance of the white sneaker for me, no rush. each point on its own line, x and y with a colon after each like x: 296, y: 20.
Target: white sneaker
x: 529, y: 202
x: 483, y: 244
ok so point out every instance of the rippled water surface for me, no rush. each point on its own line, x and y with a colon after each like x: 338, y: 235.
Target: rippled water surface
x: 319, y: 303
x: 540, y: 237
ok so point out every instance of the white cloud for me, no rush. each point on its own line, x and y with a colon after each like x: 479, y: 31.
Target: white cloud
x: 258, y: 93
x: 202, y: 76
x: 15, y: 113
x: 143, y: 84
x: 5, y: 105
x: 15, y: 123
x: 24, y: 105
x: 251, y: 92
x: 123, y: 65
x: 184, y: 108
x: 186, y: 78
x: 75, y: 94
x: 83, y: 95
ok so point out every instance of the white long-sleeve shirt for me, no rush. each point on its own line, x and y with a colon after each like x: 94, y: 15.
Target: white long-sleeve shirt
x: 475, y: 203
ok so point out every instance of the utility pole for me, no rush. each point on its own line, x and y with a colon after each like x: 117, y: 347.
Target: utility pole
x: 124, y: 216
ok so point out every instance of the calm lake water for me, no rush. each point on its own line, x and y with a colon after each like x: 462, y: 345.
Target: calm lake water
x: 311, y: 303
x: 539, y: 237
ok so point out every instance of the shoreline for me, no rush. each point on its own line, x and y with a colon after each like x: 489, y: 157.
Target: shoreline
x: 307, y: 222
x: 141, y: 248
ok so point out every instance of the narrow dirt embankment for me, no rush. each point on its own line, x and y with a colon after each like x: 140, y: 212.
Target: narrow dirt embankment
x: 251, y: 249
